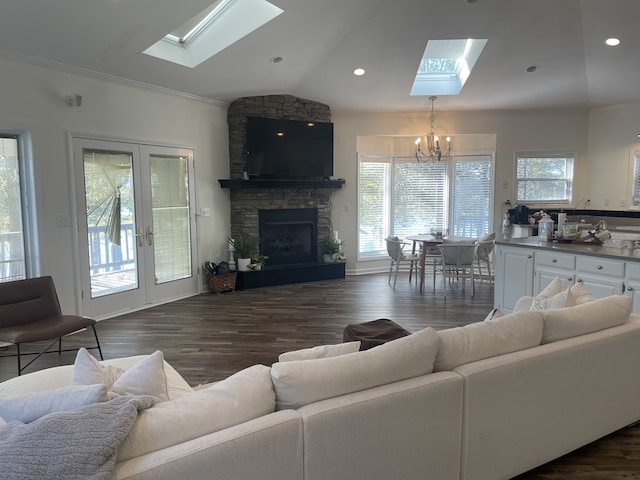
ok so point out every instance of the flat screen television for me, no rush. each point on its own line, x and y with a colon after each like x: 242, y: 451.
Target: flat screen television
x: 289, y: 148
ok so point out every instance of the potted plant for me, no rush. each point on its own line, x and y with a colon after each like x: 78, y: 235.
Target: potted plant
x: 244, y: 246
x: 330, y: 248
x: 258, y: 261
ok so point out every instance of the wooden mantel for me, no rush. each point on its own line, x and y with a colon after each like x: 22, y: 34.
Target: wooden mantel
x: 281, y: 183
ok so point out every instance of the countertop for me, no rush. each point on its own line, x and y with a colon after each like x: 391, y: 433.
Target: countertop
x: 574, y: 247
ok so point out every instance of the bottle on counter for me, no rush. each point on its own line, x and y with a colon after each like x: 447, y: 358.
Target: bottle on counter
x: 545, y: 228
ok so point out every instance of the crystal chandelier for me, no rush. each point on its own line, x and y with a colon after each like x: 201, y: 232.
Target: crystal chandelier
x: 434, y: 151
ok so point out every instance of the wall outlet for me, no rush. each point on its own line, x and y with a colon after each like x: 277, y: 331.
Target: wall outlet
x: 623, y: 203
x: 606, y: 202
x: 205, y: 212
x: 63, y: 221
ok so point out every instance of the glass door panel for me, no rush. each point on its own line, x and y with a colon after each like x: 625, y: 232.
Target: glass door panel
x: 110, y: 220
x: 170, y: 217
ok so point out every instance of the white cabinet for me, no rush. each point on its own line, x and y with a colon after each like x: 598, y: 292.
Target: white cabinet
x: 601, y: 276
x: 513, y: 276
x: 549, y: 265
x: 527, y: 269
x: 632, y: 284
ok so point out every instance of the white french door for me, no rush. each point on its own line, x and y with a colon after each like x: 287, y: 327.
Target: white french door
x: 136, y: 225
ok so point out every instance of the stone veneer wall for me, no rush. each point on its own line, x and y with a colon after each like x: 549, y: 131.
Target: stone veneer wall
x: 245, y: 203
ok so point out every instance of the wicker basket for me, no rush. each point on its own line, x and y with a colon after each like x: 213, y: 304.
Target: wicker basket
x: 222, y: 283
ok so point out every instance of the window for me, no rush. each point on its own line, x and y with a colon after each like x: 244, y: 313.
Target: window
x: 544, y: 178
x: 13, y: 238
x: 398, y: 196
x: 635, y: 187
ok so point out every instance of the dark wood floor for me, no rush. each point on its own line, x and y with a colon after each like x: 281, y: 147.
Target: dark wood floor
x: 208, y: 337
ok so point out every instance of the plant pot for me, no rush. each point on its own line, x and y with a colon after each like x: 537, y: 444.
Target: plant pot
x: 243, y: 264
x: 329, y: 258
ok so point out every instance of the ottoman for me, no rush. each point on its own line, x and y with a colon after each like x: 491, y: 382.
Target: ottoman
x: 374, y: 333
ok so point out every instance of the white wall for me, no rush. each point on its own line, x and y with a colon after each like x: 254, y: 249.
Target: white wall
x: 32, y: 98
x: 613, y: 137
x: 515, y: 131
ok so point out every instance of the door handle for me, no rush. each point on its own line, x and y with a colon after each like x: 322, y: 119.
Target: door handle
x: 139, y: 236
x: 150, y: 235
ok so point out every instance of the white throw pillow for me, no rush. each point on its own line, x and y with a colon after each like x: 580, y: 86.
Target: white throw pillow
x: 299, y: 383
x: 321, y: 351
x: 581, y: 294
x: 560, y: 300
x: 88, y: 371
x: 513, y: 332
x: 146, y: 377
x: 57, y: 377
x: 239, y: 398
x: 2, y: 422
x: 586, y: 318
x: 27, y: 408
x: 555, y: 287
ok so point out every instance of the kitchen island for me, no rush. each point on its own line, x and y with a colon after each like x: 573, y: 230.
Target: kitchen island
x: 524, y: 266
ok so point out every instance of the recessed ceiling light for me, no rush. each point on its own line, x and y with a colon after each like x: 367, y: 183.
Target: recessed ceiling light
x: 532, y: 68
x: 358, y: 72
x: 276, y: 59
x: 612, y: 42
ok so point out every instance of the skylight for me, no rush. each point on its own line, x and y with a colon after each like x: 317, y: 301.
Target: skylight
x: 446, y: 65
x: 212, y: 30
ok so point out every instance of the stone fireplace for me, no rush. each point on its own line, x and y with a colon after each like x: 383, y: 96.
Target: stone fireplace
x: 290, y: 217
x: 249, y: 198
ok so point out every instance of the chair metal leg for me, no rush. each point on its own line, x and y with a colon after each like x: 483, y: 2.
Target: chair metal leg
x: 395, y: 278
x: 95, y: 334
x: 60, y: 346
x: 18, y: 355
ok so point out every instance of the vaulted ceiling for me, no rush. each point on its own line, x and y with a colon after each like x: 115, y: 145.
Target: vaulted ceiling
x: 322, y: 41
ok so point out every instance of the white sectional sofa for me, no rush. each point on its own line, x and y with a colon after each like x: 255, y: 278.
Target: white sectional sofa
x: 487, y: 401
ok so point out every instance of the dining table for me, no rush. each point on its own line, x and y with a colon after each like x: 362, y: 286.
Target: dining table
x: 428, y: 242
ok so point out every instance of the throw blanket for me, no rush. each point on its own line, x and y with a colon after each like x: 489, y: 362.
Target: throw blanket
x: 77, y: 444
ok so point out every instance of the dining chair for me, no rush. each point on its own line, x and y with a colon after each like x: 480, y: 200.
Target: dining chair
x: 432, y: 257
x: 398, y: 258
x: 484, y: 247
x: 457, y: 262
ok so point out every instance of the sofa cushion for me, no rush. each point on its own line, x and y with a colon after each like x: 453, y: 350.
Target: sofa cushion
x: 586, y: 318
x: 29, y: 407
x: 513, y: 332
x: 146, y: 377
x: 239, y: 398
x: 321, y: 351
x: 299, y: 383
x: 56, y: 377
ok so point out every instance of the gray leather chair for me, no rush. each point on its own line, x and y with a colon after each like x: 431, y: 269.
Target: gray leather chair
x: 30, y: 312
